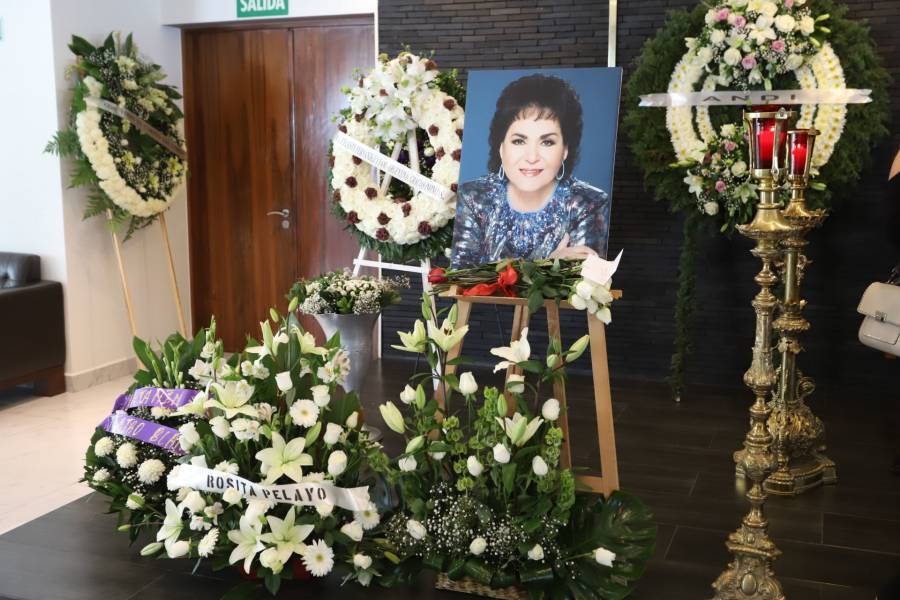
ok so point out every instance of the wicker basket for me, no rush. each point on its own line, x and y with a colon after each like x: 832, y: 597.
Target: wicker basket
x: 470, y: 586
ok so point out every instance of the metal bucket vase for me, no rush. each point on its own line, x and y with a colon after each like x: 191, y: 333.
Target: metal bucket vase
x: 356, y: 339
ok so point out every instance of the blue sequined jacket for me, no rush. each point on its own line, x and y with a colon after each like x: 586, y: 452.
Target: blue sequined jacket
x: 487, y: 228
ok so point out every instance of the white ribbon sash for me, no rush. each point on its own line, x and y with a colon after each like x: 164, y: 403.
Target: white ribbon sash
x: 395, y: 169
x: 739, y: 97
x: 302, y: 494
x: 112, y: 108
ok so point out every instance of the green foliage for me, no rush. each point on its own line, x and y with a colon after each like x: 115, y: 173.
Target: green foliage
x: 651, y: 145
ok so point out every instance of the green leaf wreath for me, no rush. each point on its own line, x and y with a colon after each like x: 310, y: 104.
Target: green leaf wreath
x: 651, y: 143
x: 131, y: 176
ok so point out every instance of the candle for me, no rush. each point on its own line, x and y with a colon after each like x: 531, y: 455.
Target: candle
x: 765, y: 143
x: 799, y: 144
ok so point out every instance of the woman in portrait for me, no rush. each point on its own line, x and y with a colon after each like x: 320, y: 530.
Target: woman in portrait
x: 530, y: 205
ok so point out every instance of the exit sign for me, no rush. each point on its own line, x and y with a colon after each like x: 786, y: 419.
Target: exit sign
x: 261, y: 8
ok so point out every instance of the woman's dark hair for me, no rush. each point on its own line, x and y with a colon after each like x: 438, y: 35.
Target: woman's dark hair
x: 552, y: 98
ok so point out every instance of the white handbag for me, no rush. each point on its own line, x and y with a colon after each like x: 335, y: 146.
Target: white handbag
x: 880, y: 328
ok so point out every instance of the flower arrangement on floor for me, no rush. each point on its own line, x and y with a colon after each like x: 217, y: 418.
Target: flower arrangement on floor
x: 400, y: 95
x: 484, y: 495
x: 124, y: 133
x: 757, y: 45
x: 538, y: 281
x: 264, y: 466
x: 339, y: 292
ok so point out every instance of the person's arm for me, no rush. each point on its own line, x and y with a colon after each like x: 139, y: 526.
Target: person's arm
x: 590, y: 225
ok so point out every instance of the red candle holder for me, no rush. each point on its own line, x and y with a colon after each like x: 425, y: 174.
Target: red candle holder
x: 768, y: 134
x: 800, y: 144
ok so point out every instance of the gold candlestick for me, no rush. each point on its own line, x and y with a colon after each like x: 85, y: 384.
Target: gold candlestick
x: 750, y: 575
x: 798, y: 433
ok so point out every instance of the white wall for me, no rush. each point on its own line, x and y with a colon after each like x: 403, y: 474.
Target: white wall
x: 98, y: 330
x: 31, y: 218
x: 184, y: 12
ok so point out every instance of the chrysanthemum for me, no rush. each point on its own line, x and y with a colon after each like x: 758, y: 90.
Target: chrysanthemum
x: 318, y: 558
x: 151, y: 470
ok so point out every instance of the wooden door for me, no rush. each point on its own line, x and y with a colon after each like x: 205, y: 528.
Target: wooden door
x: 325, y: 56
x: 258, y: 103
x: 239, y: 109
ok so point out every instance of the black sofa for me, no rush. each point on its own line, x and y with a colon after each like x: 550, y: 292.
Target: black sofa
x: 32, y: 326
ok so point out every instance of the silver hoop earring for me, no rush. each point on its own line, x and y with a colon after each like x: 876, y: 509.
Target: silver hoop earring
x: 562, y: 172
x: 500, y: 173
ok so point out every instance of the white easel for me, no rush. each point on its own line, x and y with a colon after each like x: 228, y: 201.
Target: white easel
x: 425, y: 264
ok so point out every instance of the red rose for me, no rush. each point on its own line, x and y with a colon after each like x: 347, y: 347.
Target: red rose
x: 437, y: 275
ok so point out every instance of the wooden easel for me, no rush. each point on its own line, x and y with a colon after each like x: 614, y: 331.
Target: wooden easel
x: 608, y: 481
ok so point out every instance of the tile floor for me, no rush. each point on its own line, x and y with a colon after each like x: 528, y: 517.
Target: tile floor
x: 42, y: 444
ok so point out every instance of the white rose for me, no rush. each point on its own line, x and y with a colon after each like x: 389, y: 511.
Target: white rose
x: 475, y: 467
x: 539, y: 466
x: 353, y: 530
x: 604, y: 557
x: 516, y: 383
x: 732, y: 56
x: 320, y: 395
x: 135, y: 501
x: 195, y: 502
x: 416, y: 529
x: 437, y: 455
x: 717, y: 37
x: 769, y: 9
x: 270, y: 560
x: 324, y: 508
x: 361, y: 561
x: 738, y: 168
x: 501, y: 454
x: 188, y: 436
x: 333, y: 433
x: 407, y: 464
x: 785, y: 23
x: 284, y: 382
x: 536, y: 553
x: 584, y: 288
x: 577, y: 302
x: 478, y: 546
x: 807, y: 25
x: 337, y: 462
x: 353, y: 420
x: 711, y: 208
x: 793, y: 62
x: 550, y: 409
x: 220, y: 427
x: 467, y: 384
x: 231, y: 496
x: 178, y: 549
x: 408, y: 395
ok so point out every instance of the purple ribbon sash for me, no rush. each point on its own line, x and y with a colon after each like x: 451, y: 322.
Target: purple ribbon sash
x: 145, y: 431
x: 164, y: 437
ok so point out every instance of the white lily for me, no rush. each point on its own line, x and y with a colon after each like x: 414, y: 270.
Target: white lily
x: 232, y: 398
x: 447, y: 336
x: 519, y: 429
x: 284, y: 458
x: 247, y: 542
x: 285, y: 536
x: 308, y: 342
x: 414, y: 341
x: 518, y: 351
x: 172, y: 524
x: 197, y: 406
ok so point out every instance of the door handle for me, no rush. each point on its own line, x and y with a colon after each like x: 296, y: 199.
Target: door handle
x: 284, y: 213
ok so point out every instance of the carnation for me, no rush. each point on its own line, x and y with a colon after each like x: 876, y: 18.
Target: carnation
x: 208, y: 543
x: 151, y: 470
x: 126, y: 455
x: 103, y: 446
x: 100, y: 476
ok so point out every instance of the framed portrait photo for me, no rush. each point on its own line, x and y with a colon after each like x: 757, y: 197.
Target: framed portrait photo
x: 537, y: 165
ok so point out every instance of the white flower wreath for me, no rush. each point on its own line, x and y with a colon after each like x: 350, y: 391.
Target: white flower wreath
x: 96, y: 148
x: 745, y: 44
x: 394, y: 98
